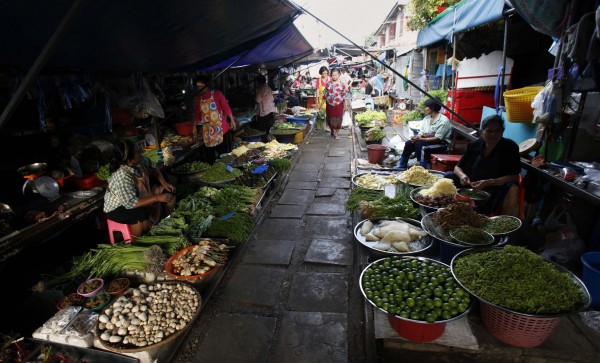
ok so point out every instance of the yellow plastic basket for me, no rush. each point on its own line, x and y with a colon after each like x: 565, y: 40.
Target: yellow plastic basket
x: 518, y: 103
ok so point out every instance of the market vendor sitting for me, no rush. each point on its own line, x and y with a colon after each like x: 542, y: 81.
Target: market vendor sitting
x: 491, y: 163
x: 130, y: 197
x: 435, y: 129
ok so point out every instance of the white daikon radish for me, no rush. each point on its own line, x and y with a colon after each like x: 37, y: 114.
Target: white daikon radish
x: 416, y: 233
x: 383, y: 246
x: 396, y: 236
x: 366, y: 227
x: 401, y: 246
x: 371, y: 238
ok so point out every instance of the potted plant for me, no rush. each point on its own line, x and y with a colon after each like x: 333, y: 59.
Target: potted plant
x: 374, y: 135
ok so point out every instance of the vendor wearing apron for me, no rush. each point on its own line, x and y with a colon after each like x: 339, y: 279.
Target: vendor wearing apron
x: 214, y: 118
x: 130, y: 198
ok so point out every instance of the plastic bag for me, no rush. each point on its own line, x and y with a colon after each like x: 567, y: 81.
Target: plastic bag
x: 148, y: 104
x: 346, y: 120
x: 543, y: 104
x: 591, y: 319
x: 562, y: 244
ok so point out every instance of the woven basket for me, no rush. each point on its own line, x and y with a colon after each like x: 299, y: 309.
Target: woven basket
x: 516, y: 329
x: 518, y: 103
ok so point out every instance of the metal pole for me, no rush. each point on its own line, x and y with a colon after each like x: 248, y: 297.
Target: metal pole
x: 40, y: 62
x: 501, y: 90
x: 453, y: 74
x: 442, y: 104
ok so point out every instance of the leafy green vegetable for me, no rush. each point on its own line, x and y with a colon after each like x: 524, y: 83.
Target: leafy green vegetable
x: 237, y: 228
x: 280, y: 164
x: 399, y: 206
x: 375, y: 134
x: 518, y: 279
x: 218, y: 173
x: 103, y: 172
x: 191, y: 167
x: 234, y: 198
x: 360, y: 194
x: 365, y: 118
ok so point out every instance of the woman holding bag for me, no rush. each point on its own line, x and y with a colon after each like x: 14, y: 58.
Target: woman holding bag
x: 336, y: 99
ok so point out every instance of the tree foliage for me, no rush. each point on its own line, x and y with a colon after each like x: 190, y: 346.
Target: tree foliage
x: 423, y: 11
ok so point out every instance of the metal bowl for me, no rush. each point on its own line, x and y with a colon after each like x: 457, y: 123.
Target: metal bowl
x: 381, y: 178
x: 35, y: 168
x: 488, y: 239
x: 438, y: 174
x: 432, y: 227
x: 585, y: 303
x: 428, y: 208
x: 5, y: 209
x: 506, y: 232
x: 417, y: 246
x: 362, y: 290
x: 46, y: 187
x: 475, y: 194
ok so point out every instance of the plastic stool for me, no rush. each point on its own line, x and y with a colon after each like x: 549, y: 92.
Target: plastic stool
x: 124, y: 229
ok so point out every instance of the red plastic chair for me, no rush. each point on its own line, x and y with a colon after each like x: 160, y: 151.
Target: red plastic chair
x: 124, y: 229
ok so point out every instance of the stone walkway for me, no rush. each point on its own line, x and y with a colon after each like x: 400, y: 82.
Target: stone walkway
x: 290, y: 296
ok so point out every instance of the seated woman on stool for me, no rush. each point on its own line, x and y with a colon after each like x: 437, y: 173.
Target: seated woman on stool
x: 491, y: 163
x: 130, y: 198
x: 435, y: 129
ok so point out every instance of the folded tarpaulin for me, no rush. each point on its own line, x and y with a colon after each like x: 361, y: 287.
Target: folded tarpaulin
x: 284, y: 47
x: 139, y: 35
x: 460, y: 17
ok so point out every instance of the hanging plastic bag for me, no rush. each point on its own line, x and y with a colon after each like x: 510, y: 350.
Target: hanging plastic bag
x: 346, y: 120
x: 148, y: 103
x: 543, y: 105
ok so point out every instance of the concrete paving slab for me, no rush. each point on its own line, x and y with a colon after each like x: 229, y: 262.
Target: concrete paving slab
x: 328, y: 227
x: 305, y: 185
x: 325, y: 192
x: 297, y: 197
x: 338, y: 152
x: 254, y: 285
x: 338, y: 183
x: 329, y: 252
x: 313, y: 153
x: 311, y: 337
x: 236, y: 338
x: 287, y: 211
x: 337, y: 166
x: 336, y: 173
x: 326, y: 209
x: 292, y: 229
x: 308, y: 166
x: 307, y: 175
x: 269, y: 252
x: 318, y: 291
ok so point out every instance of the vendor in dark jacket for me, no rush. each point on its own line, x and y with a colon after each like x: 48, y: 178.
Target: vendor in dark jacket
x: 491, y: 163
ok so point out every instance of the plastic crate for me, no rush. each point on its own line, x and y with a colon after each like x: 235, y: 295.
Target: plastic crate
x: 469, y: 104
x: 444, y: 162
x: 519, y: 330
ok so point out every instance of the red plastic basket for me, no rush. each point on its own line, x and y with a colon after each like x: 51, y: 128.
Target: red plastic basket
x: 516, y: 329
x: 420, y: 332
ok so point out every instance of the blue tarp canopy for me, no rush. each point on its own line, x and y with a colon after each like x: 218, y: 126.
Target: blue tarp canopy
x: 139, y: 35
x: 460, y: 17
x: 283, y: 48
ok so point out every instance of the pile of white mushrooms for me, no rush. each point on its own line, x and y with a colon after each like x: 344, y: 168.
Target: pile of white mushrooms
x: 148, y: 315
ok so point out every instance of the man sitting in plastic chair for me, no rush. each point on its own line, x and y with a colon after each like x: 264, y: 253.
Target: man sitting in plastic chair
x: 435, y: 130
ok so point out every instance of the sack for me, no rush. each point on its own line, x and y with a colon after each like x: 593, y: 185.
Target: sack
x: 346, y: 120
x: 562, y: 244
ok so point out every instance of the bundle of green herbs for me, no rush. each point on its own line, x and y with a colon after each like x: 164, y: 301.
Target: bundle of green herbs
x: 280, y: 164
x: 375, y: 134
x: 218, y: 173
x: 520, y: 280
x: 236, y: 228
x: 360, y: 194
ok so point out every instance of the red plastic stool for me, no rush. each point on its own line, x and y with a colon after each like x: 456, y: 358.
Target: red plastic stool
x: 124, y: 229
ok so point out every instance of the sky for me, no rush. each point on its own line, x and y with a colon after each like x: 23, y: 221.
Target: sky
x: 355, y: 19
